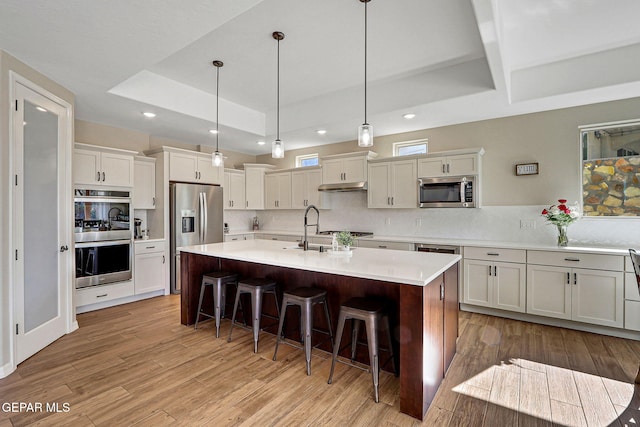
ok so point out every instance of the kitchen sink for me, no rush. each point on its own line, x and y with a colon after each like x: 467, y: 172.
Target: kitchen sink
x: 312, y: 247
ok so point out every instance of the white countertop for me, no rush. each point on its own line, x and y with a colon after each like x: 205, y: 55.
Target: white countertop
x: 412, y: 268
x: 604, y: 250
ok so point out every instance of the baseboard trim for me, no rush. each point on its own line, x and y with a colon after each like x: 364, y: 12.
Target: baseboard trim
x: 6, y: 370
x: 568, y: 324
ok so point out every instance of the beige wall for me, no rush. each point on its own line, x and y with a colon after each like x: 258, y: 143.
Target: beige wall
x: 109, y: 136
x: 7, y: 64
x: 549, y: 138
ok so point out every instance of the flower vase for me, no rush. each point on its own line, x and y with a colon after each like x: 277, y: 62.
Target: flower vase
x: 563, y: 239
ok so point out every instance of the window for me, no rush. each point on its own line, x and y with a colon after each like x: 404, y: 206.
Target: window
x: 610, y: 169
x: 408, y: 148
x: 307, y: 160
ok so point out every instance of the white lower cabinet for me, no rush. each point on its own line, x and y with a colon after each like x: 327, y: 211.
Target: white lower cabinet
x: 383, y: 244
x: 495, y: 284
x: 587, y: 295
x: 149, y: 267
x: 103, y: 293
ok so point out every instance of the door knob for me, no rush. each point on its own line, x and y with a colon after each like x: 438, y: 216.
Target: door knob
x: 64, y: 248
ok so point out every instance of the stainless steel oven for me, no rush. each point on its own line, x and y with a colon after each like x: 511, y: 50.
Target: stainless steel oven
x: 103, y: 237
x: 448, y: 192
x: 99, y: 263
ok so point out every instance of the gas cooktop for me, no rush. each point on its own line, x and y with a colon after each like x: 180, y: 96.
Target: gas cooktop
x: 353, y: 233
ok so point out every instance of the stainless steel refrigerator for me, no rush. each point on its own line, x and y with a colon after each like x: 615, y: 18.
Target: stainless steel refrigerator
x: 196, y: 218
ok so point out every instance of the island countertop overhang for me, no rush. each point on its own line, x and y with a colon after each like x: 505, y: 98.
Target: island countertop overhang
x: 409, y: 268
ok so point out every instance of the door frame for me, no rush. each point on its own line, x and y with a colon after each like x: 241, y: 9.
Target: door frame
x: 66, y: 134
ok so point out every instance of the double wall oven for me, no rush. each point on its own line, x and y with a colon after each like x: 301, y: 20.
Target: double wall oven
x: 103, y: 237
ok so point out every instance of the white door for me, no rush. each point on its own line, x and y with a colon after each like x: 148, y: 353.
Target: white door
x: 42, y: 234
x: 117, y: 169
x: 509, y: 286
x: 379, y: 192
x: 404, y: 184
x: 477, y: 283
x: 598, y: 297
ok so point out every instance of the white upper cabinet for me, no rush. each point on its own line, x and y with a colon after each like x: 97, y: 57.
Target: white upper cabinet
x: 304, y: 187
x: 254, y: 185
x: 144, y: 188
x: 452, y: 163
x: 94, y: 165
x: 278, y: 190
x: 350, y: 167
x: 393, y: 184
x: 234, y: 190
x: 188, y: 166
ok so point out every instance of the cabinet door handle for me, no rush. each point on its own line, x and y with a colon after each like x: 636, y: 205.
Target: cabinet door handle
x: 443, y: 168
x: 575, y: 278
x: 392, y: 202
x: 163, y: 259
x: 103, y: 177
x: 98, y: 176
x: 246, y: 204
x: 154, y: 201
x: 448, y: 170
x: 490, y: 271
x: 441, y: 292
x: 572, y: 259
x: 568, y: 278
x: 388, y: 200
x: 495, y: 270
x: 493, y: 254
x: 196, y: 174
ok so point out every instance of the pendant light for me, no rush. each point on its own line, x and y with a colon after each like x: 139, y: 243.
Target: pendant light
x: 217, y: 159
x: 365, y: 130
x: 277, y: 147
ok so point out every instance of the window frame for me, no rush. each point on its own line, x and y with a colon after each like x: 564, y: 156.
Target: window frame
x: 401, y: 144
x: 303, y: 157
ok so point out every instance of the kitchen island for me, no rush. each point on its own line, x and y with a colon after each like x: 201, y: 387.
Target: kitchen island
x: 423, y: 288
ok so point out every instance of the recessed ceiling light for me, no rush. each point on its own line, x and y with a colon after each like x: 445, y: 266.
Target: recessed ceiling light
x: 41, y: 109
x: 213, y: 131
x: 408, y: 116
x: 149, y: 114
x: 321, y: 131
x: 260, y: 142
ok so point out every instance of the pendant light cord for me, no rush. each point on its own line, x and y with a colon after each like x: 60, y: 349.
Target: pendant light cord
x: 365, y: 62
x: 278, y: 96
x: 217, y: 104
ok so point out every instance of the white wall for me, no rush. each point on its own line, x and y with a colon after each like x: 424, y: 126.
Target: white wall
x: 9, y: 63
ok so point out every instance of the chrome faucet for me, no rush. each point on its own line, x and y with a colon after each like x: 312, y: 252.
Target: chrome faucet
x: 305, y: 242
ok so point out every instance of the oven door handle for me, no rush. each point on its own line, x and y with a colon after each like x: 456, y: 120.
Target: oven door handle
x: 103, y: 243
x: 463, y: 188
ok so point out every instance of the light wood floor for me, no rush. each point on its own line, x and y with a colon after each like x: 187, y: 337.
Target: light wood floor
x: 136, y: 365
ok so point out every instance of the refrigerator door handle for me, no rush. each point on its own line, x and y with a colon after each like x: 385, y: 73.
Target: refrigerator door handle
x: 205, y: 215
x: 201, y: 217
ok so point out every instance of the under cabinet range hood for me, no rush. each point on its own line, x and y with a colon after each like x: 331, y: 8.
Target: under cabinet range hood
x: 344, y: 186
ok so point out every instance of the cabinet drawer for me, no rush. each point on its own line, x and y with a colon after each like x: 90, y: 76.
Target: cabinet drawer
x: 102, y: 293
x: 146, y: 247
x: 381, y: 244
x: 495, y: 254
x: 576, y: 259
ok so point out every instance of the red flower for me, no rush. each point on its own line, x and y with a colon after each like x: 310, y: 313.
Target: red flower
x: 562, y: 201
x: 544, y: 211
x: 563, y: 208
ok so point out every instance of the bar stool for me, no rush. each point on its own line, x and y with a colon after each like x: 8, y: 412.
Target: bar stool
x: 256, y: 287
x: 218, y: 281
x: 306, y: 299
x: 372, y: 311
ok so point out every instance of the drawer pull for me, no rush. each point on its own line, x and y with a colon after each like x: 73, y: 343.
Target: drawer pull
x: 149, y: 247
x: 572, y: 259
x: 493, y: 254
x: 382, y: 246
x: 101, y: 296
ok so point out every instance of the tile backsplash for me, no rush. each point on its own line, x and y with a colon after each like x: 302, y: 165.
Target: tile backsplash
x: 494, y: 223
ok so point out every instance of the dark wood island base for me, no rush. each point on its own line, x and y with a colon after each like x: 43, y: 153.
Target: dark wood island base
x: 424, y: 319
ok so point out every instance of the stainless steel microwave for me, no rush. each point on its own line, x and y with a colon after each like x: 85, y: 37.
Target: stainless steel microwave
x: 448, y: 192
